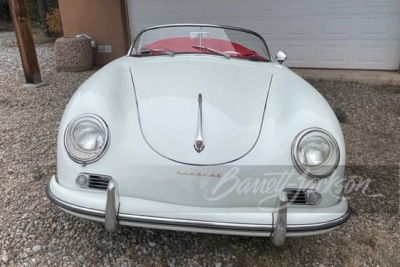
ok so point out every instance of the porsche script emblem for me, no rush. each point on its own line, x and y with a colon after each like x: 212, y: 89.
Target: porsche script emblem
x: 193, y: 173
x: 199, y: 143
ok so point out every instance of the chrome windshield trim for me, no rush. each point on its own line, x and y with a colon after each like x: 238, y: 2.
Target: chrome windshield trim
x: 197, y: 223
x: 270, y: 58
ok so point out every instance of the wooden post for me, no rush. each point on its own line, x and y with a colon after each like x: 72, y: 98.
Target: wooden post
x: 19, y: 14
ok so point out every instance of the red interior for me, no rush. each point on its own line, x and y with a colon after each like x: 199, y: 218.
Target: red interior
x: 185, y: 45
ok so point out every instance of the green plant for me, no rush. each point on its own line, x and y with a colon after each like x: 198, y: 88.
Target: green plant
x: 33, y: 12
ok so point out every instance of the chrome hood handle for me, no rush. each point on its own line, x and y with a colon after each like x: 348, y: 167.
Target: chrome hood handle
x: 199, y: 143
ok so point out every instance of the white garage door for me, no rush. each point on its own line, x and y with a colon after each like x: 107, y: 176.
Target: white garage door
x: 353, y: 34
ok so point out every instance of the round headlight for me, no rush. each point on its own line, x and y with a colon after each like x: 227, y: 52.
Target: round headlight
x: 315, y: 153
x: 86, y: 138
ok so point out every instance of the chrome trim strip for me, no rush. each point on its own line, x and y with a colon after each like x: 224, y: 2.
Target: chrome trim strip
x: 199, y: 143
x: 112, y: 204
x: 279, y: 235
x: 197, y: 223
x: 71, y: 207
x: 129, y: 51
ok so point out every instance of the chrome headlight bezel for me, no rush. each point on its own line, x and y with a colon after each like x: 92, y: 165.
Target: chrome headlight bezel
x: 80, y: 155
x: 324, y: 169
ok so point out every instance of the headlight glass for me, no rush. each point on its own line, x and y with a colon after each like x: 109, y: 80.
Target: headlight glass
x: 86, y: 138
x: 315, y: 153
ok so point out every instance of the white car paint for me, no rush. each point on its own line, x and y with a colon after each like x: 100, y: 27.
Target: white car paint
x: 186, y: 188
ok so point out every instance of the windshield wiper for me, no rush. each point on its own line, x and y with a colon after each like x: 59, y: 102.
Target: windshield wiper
x: 212, y: 50
x: 157, y: 50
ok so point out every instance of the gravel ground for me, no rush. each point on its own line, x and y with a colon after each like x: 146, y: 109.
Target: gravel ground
x: 34, y: 232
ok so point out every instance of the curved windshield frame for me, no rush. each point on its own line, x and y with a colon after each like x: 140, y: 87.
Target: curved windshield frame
x: 229, y: 42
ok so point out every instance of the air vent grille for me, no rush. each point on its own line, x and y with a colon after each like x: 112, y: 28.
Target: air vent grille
x: 297, y: 196
x: 99, y: 182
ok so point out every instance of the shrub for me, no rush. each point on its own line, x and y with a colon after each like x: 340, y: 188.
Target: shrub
x: 4, y: 12
x: 33, y: 12
x: 54, y: 25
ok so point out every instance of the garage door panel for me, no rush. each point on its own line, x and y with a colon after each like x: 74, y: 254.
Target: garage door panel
x: 334, y: 54
x: 336, y: 27
x: 379, y: 27
x: 380, y: 6
x: 377, y: 56
x: 337, y: 7
x: 318, y: 34
x: 299, y: 28
x: 299, y: 7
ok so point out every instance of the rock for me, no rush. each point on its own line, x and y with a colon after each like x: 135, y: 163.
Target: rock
x: 152, y: 244
x: 171, y: 261
x: 4, y: 257
x: 73, y: 54
x: 37, y: 175
x: 36, y: 248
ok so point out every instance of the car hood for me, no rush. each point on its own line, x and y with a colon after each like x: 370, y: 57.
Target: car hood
x: 234, y: 95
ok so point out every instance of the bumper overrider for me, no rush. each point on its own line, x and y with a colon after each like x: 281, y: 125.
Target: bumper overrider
x: 278, y: 223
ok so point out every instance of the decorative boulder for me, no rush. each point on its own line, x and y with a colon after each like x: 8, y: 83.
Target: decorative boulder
x: 73, y: 54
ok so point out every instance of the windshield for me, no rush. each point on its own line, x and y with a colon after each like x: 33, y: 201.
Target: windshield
x: 195, y: 39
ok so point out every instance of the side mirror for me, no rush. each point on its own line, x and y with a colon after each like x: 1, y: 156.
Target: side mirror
x: 281, y: 56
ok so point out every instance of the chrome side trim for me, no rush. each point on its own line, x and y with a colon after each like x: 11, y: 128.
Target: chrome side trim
x: 199, y: 143
x: 279, y: 235
x: 111, y: 222
x: 196, y: 223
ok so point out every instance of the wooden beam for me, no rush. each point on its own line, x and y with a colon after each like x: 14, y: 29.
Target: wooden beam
x: 19, y: 14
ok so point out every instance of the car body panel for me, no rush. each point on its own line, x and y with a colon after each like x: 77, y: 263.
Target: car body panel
x: 233, y: 104
x: 253, y: 111
x: 135, y: 168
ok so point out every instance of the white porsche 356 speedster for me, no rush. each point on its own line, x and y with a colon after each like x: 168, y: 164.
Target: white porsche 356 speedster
x: 199, y: 129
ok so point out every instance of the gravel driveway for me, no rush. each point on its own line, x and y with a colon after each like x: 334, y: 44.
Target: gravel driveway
x: 34, y: 232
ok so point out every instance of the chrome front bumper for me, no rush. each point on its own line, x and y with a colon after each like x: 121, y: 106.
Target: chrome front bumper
x: 278, y: 229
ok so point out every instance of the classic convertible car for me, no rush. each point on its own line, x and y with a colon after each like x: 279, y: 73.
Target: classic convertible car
x: 200, y: 129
